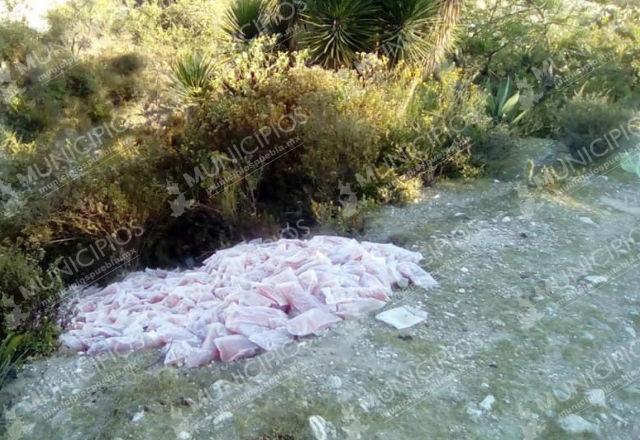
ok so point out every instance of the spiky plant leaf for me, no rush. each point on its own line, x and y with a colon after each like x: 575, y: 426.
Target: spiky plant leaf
x: 283, y: 17
x: 192, y: 75
x: 335, y: 30
x: 406, y: 29
x: 444, y: 32
x: 503, y: 94
x: 511, y: 104
x: 246, y: 19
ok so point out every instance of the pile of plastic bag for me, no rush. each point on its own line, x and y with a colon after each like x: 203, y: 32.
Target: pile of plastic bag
x: 251, y: 297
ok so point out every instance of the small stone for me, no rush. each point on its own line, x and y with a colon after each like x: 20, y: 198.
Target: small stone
x: 587, y: 221
x: 223, y: 417
x: 464, y: 269
x: 575, y: 424
x: 487, y: 403
x: 321, y: 429
x: 631, y: 331
x: 506, y: 219
x: 619, y: 419
x: 632, y: 390
x: 596, y: 279
x: 137, y: 417
x: 474, y: 412
x: 220, y: 388
x: 335, y: 382
x: 184, y: 435
x: 597, y: 397
x: 588, y: 336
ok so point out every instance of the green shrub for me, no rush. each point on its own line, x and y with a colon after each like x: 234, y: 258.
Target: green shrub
x: 81, y: 81
x: 567, y: 48
x: 127, y: 64
x: 331, y: 124
x: 446, y: 118
x: 587, y: 118
x: 17, y: 41
x: 29, y: 299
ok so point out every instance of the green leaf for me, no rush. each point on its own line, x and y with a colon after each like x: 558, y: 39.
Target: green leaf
x: 511, y: 103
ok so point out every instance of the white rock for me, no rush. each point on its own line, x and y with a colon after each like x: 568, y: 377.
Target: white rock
x: 631, y: 331
x: 596, y: 279
x: 619, y: 419
x: 321, y: 429
x: 587, y: 221
x: 184, y: 435
x: 402, y: 317
x: 223, y: 417
x: 137, y: 417
x: 575, y: 424
x: 597, y: 397
x: 487, y: 403
x: 474, y: 412
x: 335, y: 382
x: 506, y: 219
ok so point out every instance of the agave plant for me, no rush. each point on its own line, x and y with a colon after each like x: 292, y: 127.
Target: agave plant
x: 335, y: 30
x: 502, y: 104
x: 192, y: 75
x: 247, y: 19
x: 406, y: 29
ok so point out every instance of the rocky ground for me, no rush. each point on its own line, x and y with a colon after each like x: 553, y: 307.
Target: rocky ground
x: 532, y: 334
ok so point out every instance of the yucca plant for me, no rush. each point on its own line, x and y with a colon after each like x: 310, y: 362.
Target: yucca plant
x: 444, y: 32
x: 406, y: 29
x: 335, y: 30
x: 247, y: 19
x: 283, y: 17
x: 192, y: 75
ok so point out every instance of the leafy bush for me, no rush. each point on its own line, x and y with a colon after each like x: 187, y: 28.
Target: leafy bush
x: 566, y: 48
x: 587, y: 118
x: 28, y: 299
x: 127, y: 64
